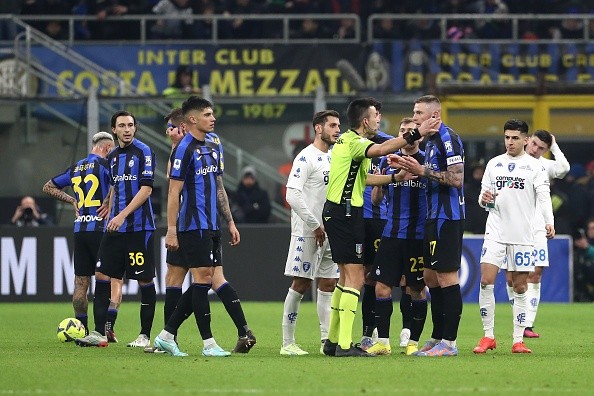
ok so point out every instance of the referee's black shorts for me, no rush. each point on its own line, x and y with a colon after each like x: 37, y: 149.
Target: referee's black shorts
x: 346, y: 234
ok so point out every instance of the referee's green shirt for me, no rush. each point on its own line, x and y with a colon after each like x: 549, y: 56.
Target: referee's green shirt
x: 348, y: 169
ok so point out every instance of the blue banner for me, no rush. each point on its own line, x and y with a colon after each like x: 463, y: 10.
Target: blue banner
x: 556, y: 280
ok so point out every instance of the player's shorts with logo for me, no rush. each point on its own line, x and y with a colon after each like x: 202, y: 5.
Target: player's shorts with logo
x: 508, y: 256
x: 373, y: 234
x: 308, y: 260
x: 396, y: 257
x: 345, y: 233
x: 86, y: 249
x: 183, y: 255
x: 129, y: 253
x: 443, y: 244
x: 541, y: 248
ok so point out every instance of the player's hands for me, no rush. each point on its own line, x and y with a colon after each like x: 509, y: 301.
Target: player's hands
x: 320, y: 235
x: 392, y: 160
x: 103, y: 210
x: 409, y: 164
x: 487, y: 197
x: 171, y: 242
x: 76, y: 211
x: 553, y: 140
x: 550, y: 231
x: 234, y: 232
x: 429, y: 126
x: 175, y: 135
x: 115, y: 223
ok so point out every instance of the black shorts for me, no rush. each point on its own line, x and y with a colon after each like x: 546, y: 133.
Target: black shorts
x: 397, y: 257
x: 443, y: 244
x: 373, y: 234
x: 86, y: 249
x: 197, y: 248
x: 129, y: 253
x: 346, y: 234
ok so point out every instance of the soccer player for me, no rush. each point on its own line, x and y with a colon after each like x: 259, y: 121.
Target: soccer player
x: 343, y: 214
x: 522, y: 187
x: 539, y: 143
x: 127, y: 248
x: 192, y: 221
x: 89, y: 178
x: 309, y: 254
x: 401, y: 249
x: 444, y: 169
x: 374, y: 219
x: 176, y: 130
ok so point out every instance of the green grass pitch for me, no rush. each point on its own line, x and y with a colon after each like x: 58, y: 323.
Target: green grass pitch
x: 33, y: 361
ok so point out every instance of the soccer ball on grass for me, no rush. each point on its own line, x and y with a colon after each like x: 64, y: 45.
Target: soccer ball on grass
x: 69, y: 329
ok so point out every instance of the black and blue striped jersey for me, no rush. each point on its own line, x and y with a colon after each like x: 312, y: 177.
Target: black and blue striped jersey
x: 444, y: 149
x: 407, y: 205
x: 131, y: 168
x: 197, y: 163
x: 90, y: 181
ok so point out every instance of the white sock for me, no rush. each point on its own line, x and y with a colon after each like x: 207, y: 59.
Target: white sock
x: 487, y: 309
x: 384, y: 341
x: 209, y: 341
x: 533, y: 296
x: 519, y: 312
x: 451, y: 344
x: 324, y: 301
x: 510, y: 293
x: 166, y: 336
x: 290, y: 312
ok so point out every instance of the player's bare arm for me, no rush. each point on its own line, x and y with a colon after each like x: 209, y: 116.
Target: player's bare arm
x: 50, y: 189
x: 453, y: 177
x: 175, y: 188
x: 225, y: 211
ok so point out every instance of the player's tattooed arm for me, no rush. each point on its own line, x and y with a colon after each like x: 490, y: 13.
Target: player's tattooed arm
x: 50, y: 189
x: 453, y: 177
x: 223, y: 201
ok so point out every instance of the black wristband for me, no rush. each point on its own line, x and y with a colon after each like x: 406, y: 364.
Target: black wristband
x: 393, y: 178
x: 412, y: 136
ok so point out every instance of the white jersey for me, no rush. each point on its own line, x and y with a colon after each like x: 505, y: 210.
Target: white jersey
x: 518, y: 179
x: 306, y: 190
x: 555, y: 169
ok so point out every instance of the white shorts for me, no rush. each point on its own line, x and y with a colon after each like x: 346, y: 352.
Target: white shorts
x: 308, y: 260
x: 507, y: 256
x: 541, y: 250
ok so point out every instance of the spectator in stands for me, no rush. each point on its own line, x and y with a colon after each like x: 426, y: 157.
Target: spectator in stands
x: 29, y: 214
x: 108, y: 29
x: 168, y: 28
x: 490, y: 29
x: 250, y: 202
x: 571, y: 27
x: 55, y: 29
x: 386, y: 28
x: 203, y: 28
x: 583, y: 267
x: 242, y: 28
x: 310, y: 29
x: 183, y: 85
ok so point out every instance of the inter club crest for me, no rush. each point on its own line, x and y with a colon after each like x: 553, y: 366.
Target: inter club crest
x: 511, y: 166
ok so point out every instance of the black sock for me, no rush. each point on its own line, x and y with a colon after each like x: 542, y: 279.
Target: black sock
x: 84, y: 319
x: 101, y: 304
x: 230, y: 300
x: 172, y: 296
x: 368, y: 310
x: 437, y: 312
x: 383, y: 313
x: 419, y: 314
x: 201, y: 307
x: 181, y: 312
x: 112, y: 316
x: 148, y: 301
x: 452, y: 311
x: 406, y: 309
